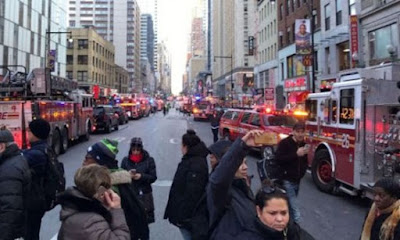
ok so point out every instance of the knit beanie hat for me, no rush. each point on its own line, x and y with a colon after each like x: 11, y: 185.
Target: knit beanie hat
x: 390, y: 186
x: 137, y: 142
x: 219, y: 148
x: 6, y: 136
x: 40, y: 128
x: 104, y: 153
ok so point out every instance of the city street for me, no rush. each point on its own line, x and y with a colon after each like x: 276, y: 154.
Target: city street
x: 326, y: 217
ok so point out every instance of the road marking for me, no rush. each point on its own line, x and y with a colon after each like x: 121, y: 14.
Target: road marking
x: 119, y: 139
x: 174, y: 141
x: 55, y: 237
x: 162, y: 183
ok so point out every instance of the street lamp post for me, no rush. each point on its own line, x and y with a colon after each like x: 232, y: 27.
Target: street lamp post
x: 231, y: 58
x: 311, y: 10
x: 47, y: 49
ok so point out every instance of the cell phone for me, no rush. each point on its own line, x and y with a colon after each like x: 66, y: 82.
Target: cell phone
x: 267, y: 138
x: 133, y: 171
x: 307, y: 147
x: 101, y: 191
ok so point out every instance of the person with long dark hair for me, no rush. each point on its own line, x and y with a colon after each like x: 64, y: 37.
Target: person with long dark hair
x: 189, y: 183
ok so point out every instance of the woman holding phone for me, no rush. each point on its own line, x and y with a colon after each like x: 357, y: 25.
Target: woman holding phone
x: 91, y: 210
x: 143, y: 172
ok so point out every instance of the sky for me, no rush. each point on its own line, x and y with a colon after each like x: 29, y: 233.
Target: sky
x: 174, y: 28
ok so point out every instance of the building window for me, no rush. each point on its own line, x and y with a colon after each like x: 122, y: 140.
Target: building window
x: 281, y: 12
x: 380, y: 39
x: 327, y: 57
x: 70, y: 74
x: 82, y: 43
x: 287, y: 7
x: 70, y: 59
x: 339, y: 12
x: 82, y: 76
x: 82, y: 59
x: 298, y: 3
x: 352, y: 7
x: 346, y: 115
x: 344, y: 55
x: 327, y: 17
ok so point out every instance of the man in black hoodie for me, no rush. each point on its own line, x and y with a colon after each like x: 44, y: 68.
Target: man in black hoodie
x: 291, y: 157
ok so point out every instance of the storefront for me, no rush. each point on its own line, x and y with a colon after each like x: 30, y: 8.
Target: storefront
x: 296, y: 90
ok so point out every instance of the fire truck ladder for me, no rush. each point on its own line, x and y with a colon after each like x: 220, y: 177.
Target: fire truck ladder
x: 12, y: 82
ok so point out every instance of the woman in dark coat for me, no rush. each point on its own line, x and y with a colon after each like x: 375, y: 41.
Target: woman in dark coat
x: 189, y: 183
x: 143, y: 171
x: 383, y: 220
x: 273, y: 221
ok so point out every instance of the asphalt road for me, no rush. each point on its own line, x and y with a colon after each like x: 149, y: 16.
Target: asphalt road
x: 326, y: 217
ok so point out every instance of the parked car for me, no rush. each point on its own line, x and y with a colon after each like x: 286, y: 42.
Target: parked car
x: 122, y: 115
x: 237, y: 122
x: 105, y: 118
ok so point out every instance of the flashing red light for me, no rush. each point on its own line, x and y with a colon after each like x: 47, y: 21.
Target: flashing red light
x: 268, y: 110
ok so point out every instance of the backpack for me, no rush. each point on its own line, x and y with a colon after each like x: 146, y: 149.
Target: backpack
x: 54, y: 180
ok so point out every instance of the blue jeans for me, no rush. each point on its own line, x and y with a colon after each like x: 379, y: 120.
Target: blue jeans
x: 292, y: 190
x: 185, y: 234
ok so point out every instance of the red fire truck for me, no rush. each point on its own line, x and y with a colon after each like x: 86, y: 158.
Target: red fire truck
x: 68, y: 110
x: 131, y: 106
x: 354, y: 132
x: 201, y: 110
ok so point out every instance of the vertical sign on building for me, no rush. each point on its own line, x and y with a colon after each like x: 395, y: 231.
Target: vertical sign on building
x: 303, y: 37
x: 52, y: 60
x: 354, y: 38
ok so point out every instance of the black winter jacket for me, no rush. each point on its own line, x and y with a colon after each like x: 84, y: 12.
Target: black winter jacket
x: 134, y: 211
x: 14, y: 185
x: 147, y: 168
x: 214, y: 120
x: 292, y: 166
x: 263, y: 232
x: 189, y: 184
x: 230, y: 201
x: 37, y: 159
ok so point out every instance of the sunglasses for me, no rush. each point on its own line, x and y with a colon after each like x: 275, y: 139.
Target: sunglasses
x: 270, y: 190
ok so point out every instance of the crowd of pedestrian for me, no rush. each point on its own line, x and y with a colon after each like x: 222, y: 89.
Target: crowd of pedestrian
x: 209, y: 198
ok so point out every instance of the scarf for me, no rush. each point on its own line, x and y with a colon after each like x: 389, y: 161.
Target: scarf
x: 136, y: 157
x: 388, y: 226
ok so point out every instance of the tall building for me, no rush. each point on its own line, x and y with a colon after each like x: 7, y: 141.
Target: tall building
x: 198, y: 38
x: 23, y: 33
x: 151, y: 7
x: 296, y: 79
x: 147, y: 39
x: 266, y: 41
x: 164, y: 67
x: 117, y: 21
x: 90, y: 60
x: 232, y: 70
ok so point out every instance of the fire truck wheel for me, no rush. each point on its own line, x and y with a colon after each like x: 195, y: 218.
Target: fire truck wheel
x: 64, y: 141
x: 321, y: 171
x: 86, y: 137
x: 56, y: 142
